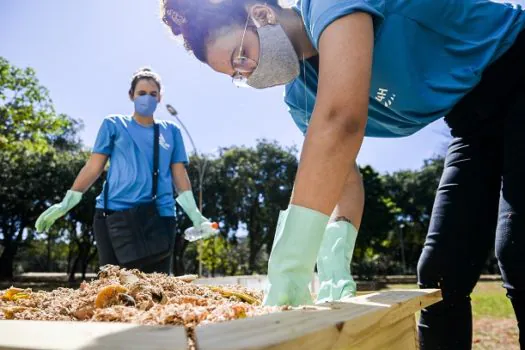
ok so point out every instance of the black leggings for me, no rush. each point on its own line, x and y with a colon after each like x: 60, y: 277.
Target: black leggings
x: 106, y: 254
x: 480, y: 204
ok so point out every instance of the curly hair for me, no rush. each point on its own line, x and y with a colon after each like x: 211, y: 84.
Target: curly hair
x: 196, y: 20
x: 144, y: 73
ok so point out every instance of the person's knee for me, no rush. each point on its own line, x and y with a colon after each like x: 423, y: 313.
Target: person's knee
x: 512, y: 264
x: 506, y: 255
x: 435, y: 272
x: 429, y: 272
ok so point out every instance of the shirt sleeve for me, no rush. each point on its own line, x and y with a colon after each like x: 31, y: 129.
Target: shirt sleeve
x: 321, y: 13
x: 105, y: 137
x: 179, y: 151
x: 298, y: 118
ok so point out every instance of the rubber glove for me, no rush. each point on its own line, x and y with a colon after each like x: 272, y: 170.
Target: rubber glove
x: 292, y: 260
x: 187, y: 202
x: 48, y: 218
x: 333, y: 262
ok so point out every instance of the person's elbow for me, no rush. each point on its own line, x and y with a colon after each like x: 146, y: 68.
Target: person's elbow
x: 96, y: 164
x: 346, y: 124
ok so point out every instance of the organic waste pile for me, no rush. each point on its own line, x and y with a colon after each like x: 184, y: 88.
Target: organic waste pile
x: 121, y: 295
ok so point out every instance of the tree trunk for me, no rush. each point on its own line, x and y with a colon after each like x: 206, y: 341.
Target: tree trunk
x: 49, y: 262
x: 253, y: 230
x: 10, y: 243
x: 69, y: 257
x: 6, y: 262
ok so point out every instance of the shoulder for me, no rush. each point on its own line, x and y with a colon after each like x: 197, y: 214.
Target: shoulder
x: 117, y: 119
x: 319, y: 14
x: 168, y: 125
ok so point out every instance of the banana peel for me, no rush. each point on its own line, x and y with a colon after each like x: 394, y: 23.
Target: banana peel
x: 14, y: 294
x: 228, y: 293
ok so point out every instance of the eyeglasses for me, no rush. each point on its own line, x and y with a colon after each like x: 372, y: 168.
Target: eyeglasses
x: 241, y: 64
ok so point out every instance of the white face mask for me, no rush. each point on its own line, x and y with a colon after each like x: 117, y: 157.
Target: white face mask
x: 278, y: 63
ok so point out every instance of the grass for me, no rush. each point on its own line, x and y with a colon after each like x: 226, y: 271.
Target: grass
x: 489, y: 300
x: 494, y: 323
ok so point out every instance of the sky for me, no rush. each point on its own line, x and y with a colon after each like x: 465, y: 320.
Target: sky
x: 85, y: 52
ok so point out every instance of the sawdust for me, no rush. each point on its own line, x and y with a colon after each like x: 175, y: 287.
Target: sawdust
x: 120, y: 295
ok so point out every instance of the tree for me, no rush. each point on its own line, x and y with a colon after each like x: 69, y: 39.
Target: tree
x: 256, y: 185
x: 414, y: 193
x: 244, y: 190
x: 29, y: 130
x: 373, y: 246
x: 28, y: 121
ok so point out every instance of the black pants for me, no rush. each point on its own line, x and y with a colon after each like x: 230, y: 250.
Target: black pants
x: 480, y: 204
x: 106, y: 254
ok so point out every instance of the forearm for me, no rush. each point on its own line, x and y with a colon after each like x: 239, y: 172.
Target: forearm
x: 351, y: 203
x: 180, y: 178
x: 330, y: 150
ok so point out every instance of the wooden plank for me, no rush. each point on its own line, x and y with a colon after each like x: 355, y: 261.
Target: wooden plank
x: 56, y: 335
x: 397, y: 336
x: 331, y: 326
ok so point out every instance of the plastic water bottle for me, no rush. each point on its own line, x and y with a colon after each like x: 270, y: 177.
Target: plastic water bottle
x: 193, y: 234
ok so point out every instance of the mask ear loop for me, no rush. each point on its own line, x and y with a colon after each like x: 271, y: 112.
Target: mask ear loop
x: 305, y: 91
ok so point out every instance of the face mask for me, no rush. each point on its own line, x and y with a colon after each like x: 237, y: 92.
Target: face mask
x: 145, y: 105
x: 278, y: 63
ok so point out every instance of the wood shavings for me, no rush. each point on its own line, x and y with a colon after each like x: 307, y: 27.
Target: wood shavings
x: 121, y: 295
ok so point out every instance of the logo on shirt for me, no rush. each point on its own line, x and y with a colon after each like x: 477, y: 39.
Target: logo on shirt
x: 385, y: 97
x: 163, y: 143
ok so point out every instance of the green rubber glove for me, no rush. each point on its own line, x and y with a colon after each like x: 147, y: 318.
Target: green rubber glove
x: 187, y: 202
x: 292, y: 260
x: 48, y: 218
x: 333, y: 262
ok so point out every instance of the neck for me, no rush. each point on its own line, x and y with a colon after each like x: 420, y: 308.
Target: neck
x: 294, y: 27
x: 142, y: 119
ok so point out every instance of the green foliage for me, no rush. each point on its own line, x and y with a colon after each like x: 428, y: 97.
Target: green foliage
x: 40, y: 155
x: 245, y: 188
x: 413, y: 192
x: 28, y: 122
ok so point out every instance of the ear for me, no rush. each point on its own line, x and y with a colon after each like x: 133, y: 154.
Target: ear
x: 262, y: 15
x: 130, y: 94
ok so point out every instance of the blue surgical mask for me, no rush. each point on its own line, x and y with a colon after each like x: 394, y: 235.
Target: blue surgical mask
x: 145, y: 105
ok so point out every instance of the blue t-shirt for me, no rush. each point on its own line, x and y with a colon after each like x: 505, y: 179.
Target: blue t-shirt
x: 427, y: 55
x: 129, y: 146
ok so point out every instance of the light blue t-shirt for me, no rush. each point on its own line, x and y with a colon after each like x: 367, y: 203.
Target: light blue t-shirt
x: 428, y: 54
x: 129, y: 146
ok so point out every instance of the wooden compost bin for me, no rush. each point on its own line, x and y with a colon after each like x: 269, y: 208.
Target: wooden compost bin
x: 382, y: 320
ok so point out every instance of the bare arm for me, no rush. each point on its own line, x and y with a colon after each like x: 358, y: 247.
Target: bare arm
x: 180, y: 177
x: 90, y: 172
x: 338, y: 122
x: 352, y: 201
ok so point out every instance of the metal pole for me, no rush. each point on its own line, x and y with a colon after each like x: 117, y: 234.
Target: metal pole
x: 200, y: 170
x: 402, y: 249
